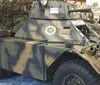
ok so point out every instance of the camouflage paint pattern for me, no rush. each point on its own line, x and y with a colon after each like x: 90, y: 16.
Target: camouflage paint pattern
x: 39, y: 40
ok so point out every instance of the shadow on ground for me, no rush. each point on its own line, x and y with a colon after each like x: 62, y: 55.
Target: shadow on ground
x: 20, y: 80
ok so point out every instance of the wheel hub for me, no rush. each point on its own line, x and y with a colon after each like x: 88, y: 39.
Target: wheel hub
x: 72, y: 79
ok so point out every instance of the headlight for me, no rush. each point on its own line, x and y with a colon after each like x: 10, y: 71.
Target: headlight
x: 69, y: 44
x: 43, y: 2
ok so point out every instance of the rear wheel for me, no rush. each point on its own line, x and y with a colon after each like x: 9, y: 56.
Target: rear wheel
x: 75, y: 73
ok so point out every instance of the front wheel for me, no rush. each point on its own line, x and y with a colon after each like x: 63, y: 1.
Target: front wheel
x: 75, y: 73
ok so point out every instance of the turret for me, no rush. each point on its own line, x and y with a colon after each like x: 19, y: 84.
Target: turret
x: 57, y: 9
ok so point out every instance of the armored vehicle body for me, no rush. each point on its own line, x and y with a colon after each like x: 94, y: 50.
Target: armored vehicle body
x: 47, y: 42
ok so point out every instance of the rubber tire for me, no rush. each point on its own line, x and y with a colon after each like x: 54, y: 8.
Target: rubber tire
x: 77, y: 67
